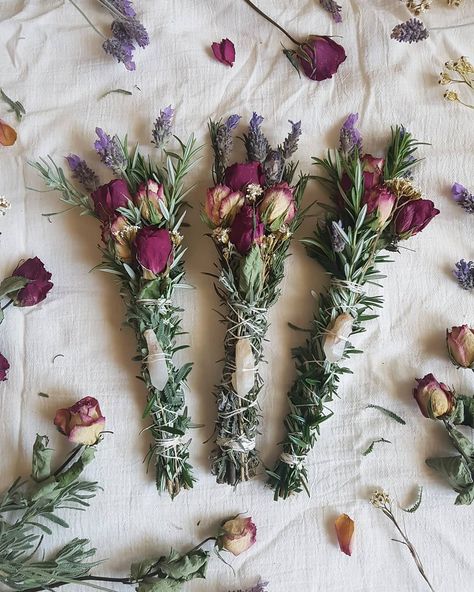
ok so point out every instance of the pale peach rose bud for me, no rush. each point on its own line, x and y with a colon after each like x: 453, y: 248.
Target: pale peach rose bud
x: 460, y: 343
x: 123, y: 234
x: 148, y: 198
x: 222, y: 205
x: 345, y: 532
x: 82, y: 423
x: 277, y: 206
x: 237, y: 535
x: 434, y: 398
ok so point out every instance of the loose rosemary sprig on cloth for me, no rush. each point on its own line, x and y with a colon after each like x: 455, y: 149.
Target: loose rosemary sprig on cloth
x: 374, y: 206
x: 252, y: 211
x: 141, y: 216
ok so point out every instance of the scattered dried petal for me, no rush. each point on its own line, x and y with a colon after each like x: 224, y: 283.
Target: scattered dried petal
x: 7, y: 134
x: 224, y: 52
x: 345, y: 531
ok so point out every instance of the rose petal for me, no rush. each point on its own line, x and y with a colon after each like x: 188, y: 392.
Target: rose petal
x: 224, y: 52
x: 7, y: 134
x: 345, y: 532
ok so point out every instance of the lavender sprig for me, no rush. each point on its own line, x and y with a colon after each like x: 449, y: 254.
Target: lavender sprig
x: 222, y: 143
x: 255, y: 141
x: 129, y: 30
x: 464, y: 273
x: 110, y: 151
x: 411, y: 31
x: 462, y: 196
x: 349, y: 136
x: 122, y: 51
x: 83, y: 173
x: 163, y: 127
x: 290, y: 145
x: 123, y: 6
x: 333, y: 8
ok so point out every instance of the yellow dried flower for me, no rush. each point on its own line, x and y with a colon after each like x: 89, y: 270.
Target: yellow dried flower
x: 451, y: 95
x: 444, y: 78
x: 403, y: 188
x: 221, y: 235
x: 176, y: 238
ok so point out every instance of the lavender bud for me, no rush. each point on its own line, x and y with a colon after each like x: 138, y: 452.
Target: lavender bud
x: 124, y: 6
x: 411, y: 31
x: 337, y: 240
x: 461, y: 195
x: 333, y: 8
x: 464, y: 273
x: 127, y: 31
x: 349, y: 136
x: 163, y: 127
x: 290, y: 145
x: 122, y: 51
x: 273, y: 167
x: 255, y: 142
x: 110, y: 151
x: 83, y: 173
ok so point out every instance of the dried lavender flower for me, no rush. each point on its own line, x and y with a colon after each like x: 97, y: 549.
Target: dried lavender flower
x: 260, y: 587
x: 255, y: 142
x: 411, y: 31
x: 123, y: 6
x: 273, y: 167
x: 337, y: 241
x: 464, y: 273
x: 163, y: 127
x: 333, y: 8
x: 122, y: 51
x: 83, y: 173
x: 129, y: 30
x: 462, y: 196
x: 110, y: 151
x: 290, y: 145
x: 349, y: 136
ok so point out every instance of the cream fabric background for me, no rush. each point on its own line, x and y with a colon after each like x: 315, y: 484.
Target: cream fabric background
x: 52, y: 61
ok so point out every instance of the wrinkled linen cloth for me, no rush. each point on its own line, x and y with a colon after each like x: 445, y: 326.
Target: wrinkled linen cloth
x: 52, y: 61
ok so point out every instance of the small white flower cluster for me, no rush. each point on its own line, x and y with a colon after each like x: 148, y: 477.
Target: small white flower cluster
x: 254, y: 191
x: 5, y: 205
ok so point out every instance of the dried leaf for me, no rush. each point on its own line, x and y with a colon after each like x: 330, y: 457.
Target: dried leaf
x: 370, y: 448
x: 345, y: 532
x: 7, y: 134
x: 414, y: 507
x: 387, y: 412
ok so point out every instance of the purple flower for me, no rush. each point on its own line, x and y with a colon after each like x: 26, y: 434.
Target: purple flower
x: 333, y: 8
x: 256, y: 143
x: 154, y: 250
x: 232, y: 122
x: 82, y: 172
x: 349, y: 136
x: 290, y: 145
x: 38, y: 285
x: 337, y: 241
x: 163, y: 127
x: 130, y: 30
x: 320, y: 57
x: 124, y: 6
x: 413, y: 216
x: 273, y: 167
x: 247, y: 229
x: 4, y: 366
x: 107, y: 198
x: 239, y: 175
x: 224, y: 52
x: 110, y: 151
x: 464, y: 273
x: 122, y: 51
x: 411, y: 31
x: 462, y: 196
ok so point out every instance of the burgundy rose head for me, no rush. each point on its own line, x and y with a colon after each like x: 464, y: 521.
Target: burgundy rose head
x: 246, y: 230
x: 413, y: 216
x: 107, y: 198
x: 4, y: 366
x: 38, y: 285
x: 380, y: 202
x: 460, y: 344
x: 222, y: 205
x: 82, y: 423
x: 320, y: 57
x: 224, y: 52
x: 277, y: 206
x: 434, y: 398
x: 372, y: 169
x: 237, y: 535
x: 239, y: 175
x: 153, y: 250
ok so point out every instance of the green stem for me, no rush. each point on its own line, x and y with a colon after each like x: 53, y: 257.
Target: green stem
x: 7, y: 304
x: 270, y: 20
x: 87, y: 19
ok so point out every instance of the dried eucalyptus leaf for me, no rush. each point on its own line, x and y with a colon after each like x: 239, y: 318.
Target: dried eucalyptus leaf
x: 454, y: 469
x: 186, y: 567
x: 463, y: 444
x: 41, y: 461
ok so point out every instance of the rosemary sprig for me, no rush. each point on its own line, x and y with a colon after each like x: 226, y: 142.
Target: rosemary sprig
x: 149, y: 302
x: 15, y: 106
x: 349, y: 267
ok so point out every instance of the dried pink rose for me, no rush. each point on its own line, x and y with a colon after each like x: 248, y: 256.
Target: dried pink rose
x: 224, y: 52
x: 460, y: 343
x: 434, y: 398
x: 82, y: 423
x: 277, y: 205
x: 222, y: 205
x: 38, y: 284
x: 237, y: 535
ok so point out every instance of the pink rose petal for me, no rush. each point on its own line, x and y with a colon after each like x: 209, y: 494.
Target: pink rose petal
x: 224, y: 52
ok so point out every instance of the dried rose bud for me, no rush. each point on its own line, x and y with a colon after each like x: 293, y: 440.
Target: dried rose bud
x: 148, y: 199
x: 222, y: 205
x: 154, y: 250
x: 38, y: 284
x: 237, y: 535
x: 345, y: 532
x: 277, y: 206
x: 82, y: 423
x: 107, y: 198
x: 460, y: 343
x: 434, y: 398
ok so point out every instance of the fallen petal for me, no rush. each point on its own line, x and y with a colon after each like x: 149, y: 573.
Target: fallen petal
x: 7, y: 134
x: 224, y: 52
x: 345, y: 532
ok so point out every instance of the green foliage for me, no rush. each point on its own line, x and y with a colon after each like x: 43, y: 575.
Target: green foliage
x: 414, y: 507
x: 388, y: 413
x: 42, y: 455
x: 370, y: 448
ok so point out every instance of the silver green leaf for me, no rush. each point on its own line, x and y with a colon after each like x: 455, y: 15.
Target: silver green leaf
x: 41, y: 461
x: 454, y: 469
x: 251, y: 270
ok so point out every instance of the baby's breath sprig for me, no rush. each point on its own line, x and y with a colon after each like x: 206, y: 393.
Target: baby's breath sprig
x: 364, y: 230
x: 382, y: 501
x: 460, y: 71
x: 147, y: 205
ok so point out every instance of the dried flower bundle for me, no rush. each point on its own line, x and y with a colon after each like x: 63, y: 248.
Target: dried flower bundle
x: 374, y: 207
x: 141, y: 213
x: 252, y: 211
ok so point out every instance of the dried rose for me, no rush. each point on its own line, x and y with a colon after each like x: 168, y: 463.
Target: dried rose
x: 7, y: 134
x: 320, y: 57
x: 434, y: 398
x: 278, y: 205
x: 413, y: 216
x: 237, y: 535
x: 380, y: 202
x: 372, y: 170
x: 224, y: 52
x: 345, y: 531
x: 123, y: 235
x: 107, y: 198
x: 460, y: 344
x: 222, y: 205
x: 82, y: 423
x: 148, y: 199
x: 154, y: 250
x: 239, y: 175
x: 246, y: 230
x: 38, y: 285
x: 4, y: 366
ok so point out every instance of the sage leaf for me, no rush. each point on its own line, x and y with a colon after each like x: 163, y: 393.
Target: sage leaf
x: 454, y: 469
x: 251, y: 270
x: 186, y: 567
x: 141, y: 569
x: 466, y: 497
x: 41, y: 461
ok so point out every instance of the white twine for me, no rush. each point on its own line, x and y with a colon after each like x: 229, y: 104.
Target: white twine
x: 164, y: 444
x: 239, y: 410
x: 239, y: 444
x: 292, y: 460
x: 351, y: 286
x: 156, y: 357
